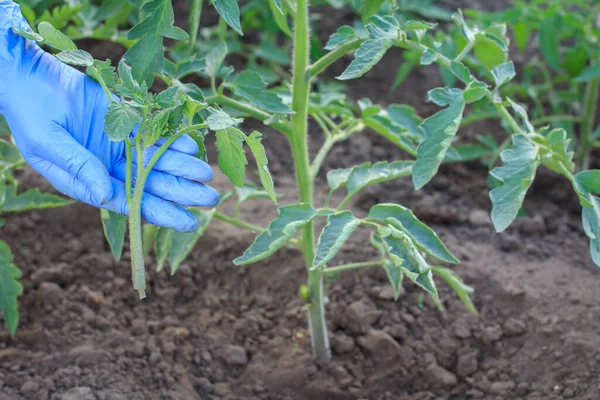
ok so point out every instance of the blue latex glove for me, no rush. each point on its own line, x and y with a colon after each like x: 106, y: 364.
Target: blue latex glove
x: 56, y: 115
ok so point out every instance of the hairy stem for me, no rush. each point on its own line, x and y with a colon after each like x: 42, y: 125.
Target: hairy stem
x: 299, y: 145
x: 138, y: 270
x: 345, y: 267
x: 322, y: 63
x: 250, y: 110
x: 590, y: 105
x: 238, y: 222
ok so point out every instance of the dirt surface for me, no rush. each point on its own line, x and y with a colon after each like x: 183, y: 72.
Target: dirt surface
x: 215, y: 331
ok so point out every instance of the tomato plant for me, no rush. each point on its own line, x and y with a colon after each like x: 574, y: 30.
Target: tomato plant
x: 477, y: 74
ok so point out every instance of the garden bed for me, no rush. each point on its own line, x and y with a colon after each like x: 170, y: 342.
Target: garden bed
x: 216, y: 331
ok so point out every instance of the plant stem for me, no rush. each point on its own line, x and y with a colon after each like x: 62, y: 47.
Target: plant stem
x: 250, y: 110
x: 555, y: 118
x: 322, y: 63
x: 590, y: 105
x: 345, y: 267
x: 465, y: 50
x: 320, y: 157
x: 240, y: 223
x: 128, y: 169
x: 299, y: 145
x: 138, y: 270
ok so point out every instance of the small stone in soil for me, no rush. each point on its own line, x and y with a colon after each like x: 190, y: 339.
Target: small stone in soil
x: 440, y: 376
x: 480, y: 218
x: 514, y: 327
x: 222, y: 389
x: 383, y: 347
x: 236, y: 355
x: 466, y: 364
x: 502, y: 388
x: 360, y: 316
x: 342, y: 343
x: 78, y: 393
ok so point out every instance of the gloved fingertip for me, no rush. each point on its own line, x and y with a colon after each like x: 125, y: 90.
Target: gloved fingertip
x: 101, y: 194
x: 189, y: 224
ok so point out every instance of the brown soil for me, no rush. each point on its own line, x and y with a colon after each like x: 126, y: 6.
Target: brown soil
x: 215, y: 331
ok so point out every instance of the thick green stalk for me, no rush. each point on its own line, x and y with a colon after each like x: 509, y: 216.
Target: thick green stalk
x: 299, y: 145
x: 590, y: 105
x: 138, y: 270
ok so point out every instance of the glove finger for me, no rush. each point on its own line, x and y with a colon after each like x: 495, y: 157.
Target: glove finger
x: 155, y: 210
x: 68, y: 155
x: 184, y: 144
x: 179, y: 190
x: 179, y: 165
x: 65, y: 183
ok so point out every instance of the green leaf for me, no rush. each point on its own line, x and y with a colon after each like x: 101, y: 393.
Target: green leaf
x: 439, y: 130
x: 475, y: 91
x: 146, y: 55
x: 334, y: 235
x: 120, y: 120
x: 366, y: 174
x: 232, y: 159
x: 55, y: 38
x: 584, y: 184
x: 460, y: 21
x: 460, y: 71
x: 103, y: 69
x: 162, y: 247
x: 214, y: 59
x: 429, y: 56
x: 342, y: 35
x: 130, y: 85
x: 166, y: 98
x: 280, y: 16
x: 254, y: 142
x: 250, y: 192
x: 31, y: 199
x: 194, y: 21
x: 403, y: 219
x: 516, y: 176
x: 370, y: 7
x: 10, y: 288
x: 590, y: 180
x: 503, y: 73
x: 219, y: 119
x: 382, y: 31
x: 549, y: 41
x: 182, y: 243
x: 405, y: 255
x: 522, y: 114
x: 368, y: 54
x: 489, y: 50
x: 338, y: 178
x: 114, y: 226
x: 149, y: 233
x: 290, y: 220
x: 251, y: 87
x: 457, y: 284
x: 395, y: 276
x: 76, y: 57
x: 28, y: 34
x: 522, y: 31
x: 230, y: 12
x: 590, y: 217
x: 591, y: 72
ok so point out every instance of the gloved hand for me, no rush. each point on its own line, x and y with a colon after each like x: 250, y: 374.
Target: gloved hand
x: 56, y: 115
